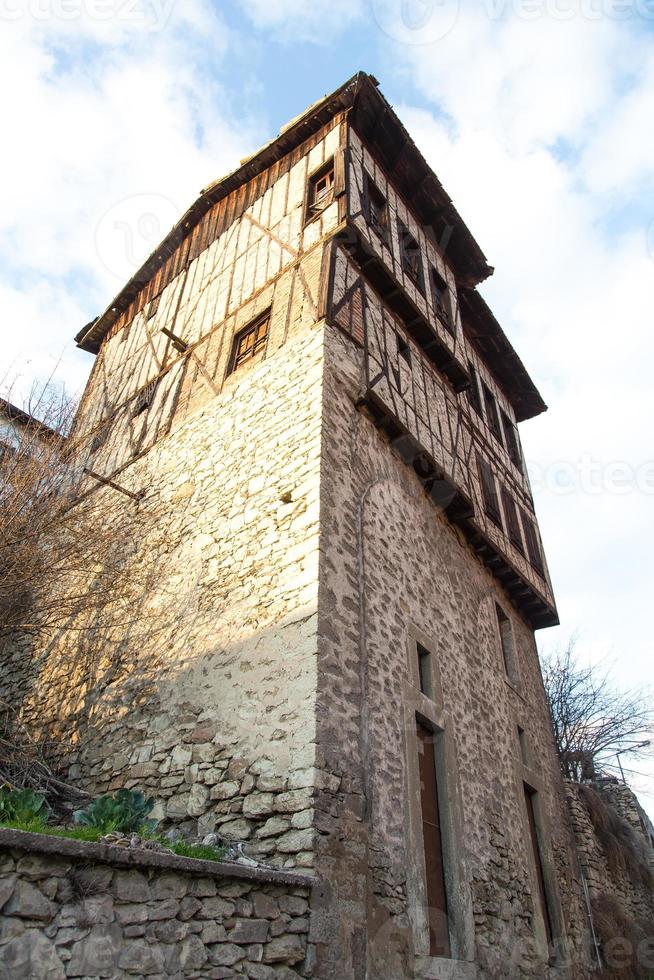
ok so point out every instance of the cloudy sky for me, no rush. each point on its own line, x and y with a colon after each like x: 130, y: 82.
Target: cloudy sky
x: 537, y: 116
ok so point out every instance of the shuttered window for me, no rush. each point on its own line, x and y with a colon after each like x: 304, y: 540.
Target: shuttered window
x: 321, y: 191
x: 492, y: 415
x: 410, y: 256
x: 533, y: 545
x: 376, y: 208
x: 473, y: 391
x: 512, y: 522
x: 249, y: 342
x: 511, y: 440
x: 489, y: 491
x: 439, y: 940
x: 442, y: 299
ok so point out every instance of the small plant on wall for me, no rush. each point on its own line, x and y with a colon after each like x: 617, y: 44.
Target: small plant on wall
x: 125, y: 813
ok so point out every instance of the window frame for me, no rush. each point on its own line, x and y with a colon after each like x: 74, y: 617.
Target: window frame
x: 474, y: 396
x: 512, y: 521
x: 259, y: 346
x: 511, y: 439
x: 534, y: 548
x: 381, y: 228
x: 492, y: 412
x: 507, y: 644
x: 442, y: 308
x: 315, y: 207
x: 489, y: 491
x: 417, y: 278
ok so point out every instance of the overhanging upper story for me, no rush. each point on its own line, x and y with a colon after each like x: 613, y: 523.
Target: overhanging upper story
x: 345, y: 189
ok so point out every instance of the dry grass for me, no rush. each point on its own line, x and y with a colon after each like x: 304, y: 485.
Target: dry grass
x: 625, y: 853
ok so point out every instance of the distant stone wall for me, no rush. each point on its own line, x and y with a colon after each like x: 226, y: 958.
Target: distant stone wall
x: 72, y: 909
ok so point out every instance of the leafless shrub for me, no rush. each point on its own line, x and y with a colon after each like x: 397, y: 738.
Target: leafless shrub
x: 621, y: 937
x: 594, y: 722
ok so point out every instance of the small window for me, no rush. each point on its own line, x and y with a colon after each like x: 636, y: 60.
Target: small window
x: 321, y: 190
x: 511, y: 518
x: 144, y: 399
x: 531, y: 803
x: 533, y: 546
x: 506, y: 640
x: 473, y: 391
x: 489, y: 491
x: 492, y: 415
x: 432, y: 837
x: 523, y: 744
x: 153, y: 308
x: 442, y: 300
x: 377, y: 209
x: 424, y: 670
x: 511, y: 439
x: 249, y: 342
x: 410, y: 256
x: 403, y: 348
x: 99, y: 438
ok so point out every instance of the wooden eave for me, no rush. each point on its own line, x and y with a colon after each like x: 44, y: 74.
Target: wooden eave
x: 484, y: 332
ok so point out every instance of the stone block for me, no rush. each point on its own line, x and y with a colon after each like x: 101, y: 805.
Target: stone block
x: 169, y: 886
x: 198, y: 800
x: 34, y: 866
x: 7, y: 885
x: 141, y: 958
x: 27, y: 902
x: 293, y: 801
x: 192, y: 955
x: 166, y: 909
x: 236, y: 829
x: 245, y: 931
x: 265, y: 906
x: 225, y: 790
x: 226, y: 954
x: 97, y: 954
x: 131, y: 886
x: 293, y: 904
x: 296, y: 840
x: 284, y: 949
x: 258, y: 805
x: 31, y: 956
x: 215, y: 908
x: 131, y: 913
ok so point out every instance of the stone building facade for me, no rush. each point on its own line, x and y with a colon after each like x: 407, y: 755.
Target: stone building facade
x: 336, y: 567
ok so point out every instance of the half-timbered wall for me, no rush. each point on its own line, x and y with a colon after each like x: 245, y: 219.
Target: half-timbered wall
x: 403, y: 383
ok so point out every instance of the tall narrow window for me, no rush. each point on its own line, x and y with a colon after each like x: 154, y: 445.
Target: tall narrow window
x: 530, y: 798
x: 377, y: 209
x: 473, y: 391
x: 144, y: 399
x: 511, y: 439
x: 492, y: 416
x: 249, y: 342
x: 321, y: 190
x: 524, y: 746
x: 533, y: 546
x: 439, y: 939
x: 511, y: 518
x: 506, y: 641
x: 489, y: 491
x: 410, y: 256
x: 442, y: 300
x: 424, y: 670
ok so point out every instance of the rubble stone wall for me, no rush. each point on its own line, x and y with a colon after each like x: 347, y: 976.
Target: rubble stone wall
x: 70, y: 909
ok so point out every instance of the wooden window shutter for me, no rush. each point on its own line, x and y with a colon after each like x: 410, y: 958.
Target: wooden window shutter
x: 439, y: 939
x: 512, y: 523
x: 340, y: 160
x: 489, y: 491
x: 533, y: 546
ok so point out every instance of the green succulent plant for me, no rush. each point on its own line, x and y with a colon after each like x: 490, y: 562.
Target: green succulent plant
x: 22, y: 806
x: 126, y: 812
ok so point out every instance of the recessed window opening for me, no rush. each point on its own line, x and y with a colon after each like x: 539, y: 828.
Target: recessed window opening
x: 321, y: 190
x: 524, y: 746
x: 249, y: 342
x: 533, y: 546
x: 512, y: 523
x: 473, y: 391
x: 506, y: 642
x: 377, y: 209
x: 424, y: 670
x: 403, y: 348
x: 432, y: 835
x: 442, y: 301
x: 410, y: 256
x: 144, y: 399
x: 511, y: 439
x: 537, y: 854
x: 492, y: 416
x: 489, y: 491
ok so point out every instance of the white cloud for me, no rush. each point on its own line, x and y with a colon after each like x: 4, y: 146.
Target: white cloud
x: 318, y: 21
x: 545, y: 149
x: 116, y: 127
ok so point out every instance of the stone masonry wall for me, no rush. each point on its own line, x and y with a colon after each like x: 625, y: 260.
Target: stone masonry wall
x: 70, y: 909
x: 392, y: 569
x: 202, y: 691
